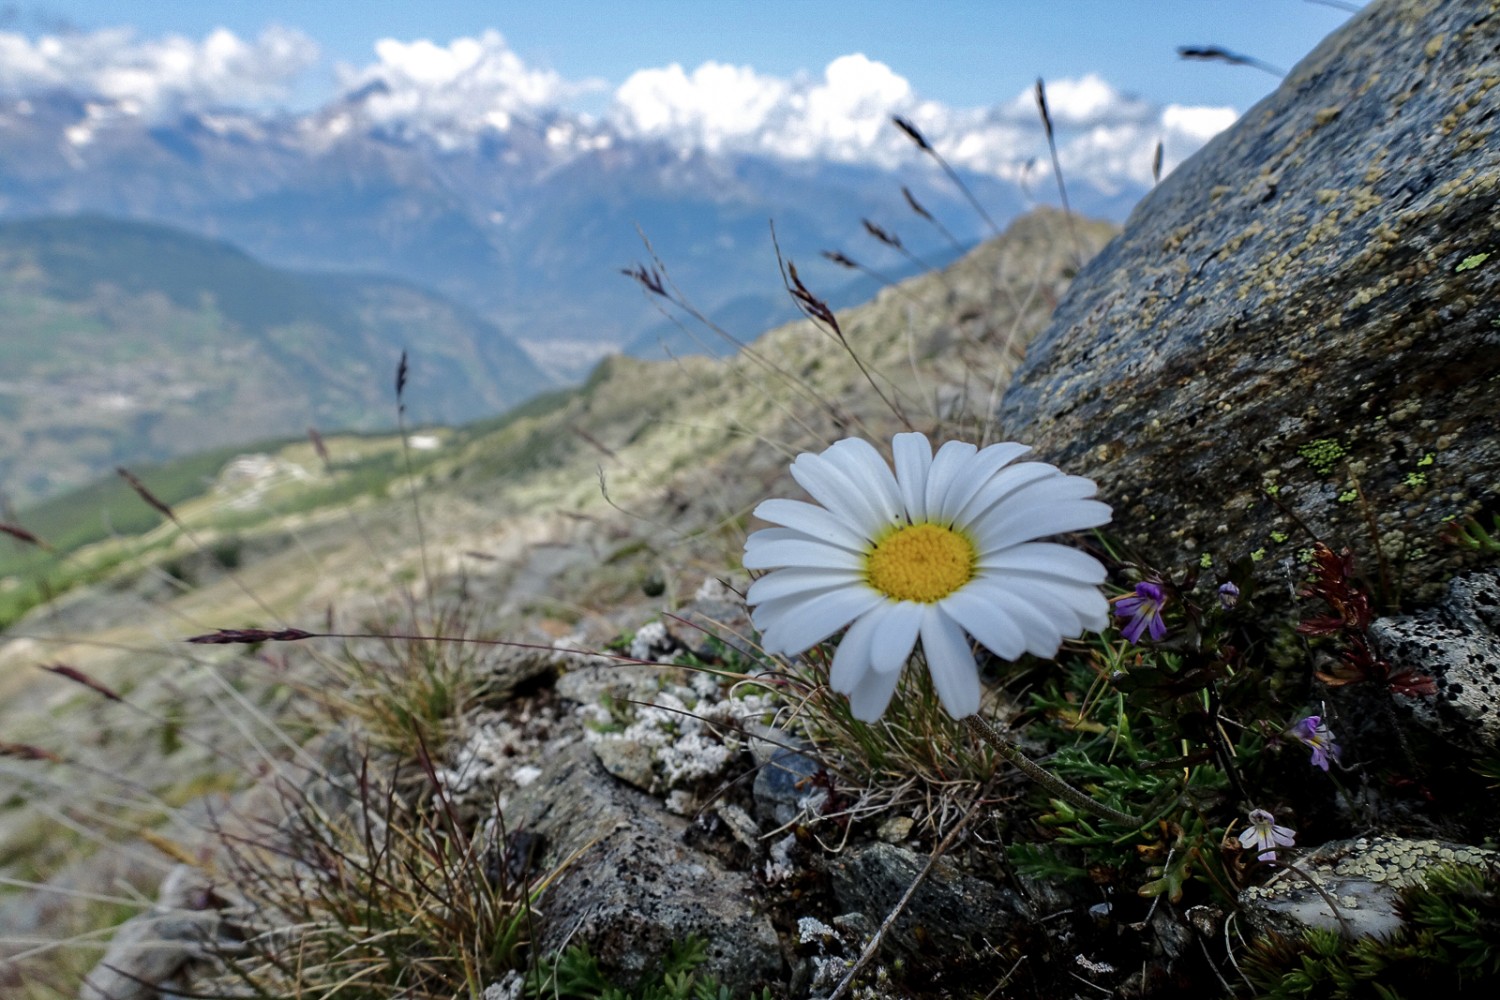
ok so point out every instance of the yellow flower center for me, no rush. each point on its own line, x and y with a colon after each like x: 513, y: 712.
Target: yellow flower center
x: 921, y: 562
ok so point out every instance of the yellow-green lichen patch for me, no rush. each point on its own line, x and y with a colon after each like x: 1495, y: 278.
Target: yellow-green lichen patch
x: 1472, y: 261
x: 1322, y: 454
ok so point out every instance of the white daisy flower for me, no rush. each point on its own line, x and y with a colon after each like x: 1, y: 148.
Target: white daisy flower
x: 945, y: 546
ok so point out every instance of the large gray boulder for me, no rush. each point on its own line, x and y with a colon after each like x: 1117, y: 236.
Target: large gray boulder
x: 1309, y: 304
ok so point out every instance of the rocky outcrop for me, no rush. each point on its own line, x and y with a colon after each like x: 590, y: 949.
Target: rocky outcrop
x: 1457, y: 644
x: 630, y: 885
x: 1305, y: 308
x: 1352, y: 886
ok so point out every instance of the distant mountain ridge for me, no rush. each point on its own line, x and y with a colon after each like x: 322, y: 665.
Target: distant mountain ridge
x: 527, y: 225
x: 124, y: 342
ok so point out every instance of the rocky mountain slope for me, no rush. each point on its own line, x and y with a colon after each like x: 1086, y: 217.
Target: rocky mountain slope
x: 555, y: 521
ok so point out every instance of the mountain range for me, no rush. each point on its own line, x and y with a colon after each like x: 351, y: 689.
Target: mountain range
x: 527, y: 222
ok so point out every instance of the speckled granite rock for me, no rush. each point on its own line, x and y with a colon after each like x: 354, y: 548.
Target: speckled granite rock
x: 1363, y: 876
x: 635, y: 886
x: 1457, y: 644
x: 1307, y: 302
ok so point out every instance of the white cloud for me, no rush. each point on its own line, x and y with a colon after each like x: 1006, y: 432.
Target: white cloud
x: 158, y: 76
x: 453, y: 93
x: 456, y: 90
x: 1103, y: 135
x: 717, y: 102
x: 845, y: 115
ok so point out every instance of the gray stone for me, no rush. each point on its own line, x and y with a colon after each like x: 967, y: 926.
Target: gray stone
x: 949, y: 910
x: 631, y: 886
x: 1457, y: 644
x: 153, y: 956
x: 1362, y: 877
x: 1306, y: 303
x: 783, y: 777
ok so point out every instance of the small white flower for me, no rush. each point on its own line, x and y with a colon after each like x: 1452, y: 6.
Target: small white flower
x: 946, y: 545
x: 1264, y: 835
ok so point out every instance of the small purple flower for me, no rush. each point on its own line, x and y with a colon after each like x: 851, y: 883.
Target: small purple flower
x: 1229, y: 595
x: 1143, y: 609
x: 1264, y: 835
x: 1314, y: 733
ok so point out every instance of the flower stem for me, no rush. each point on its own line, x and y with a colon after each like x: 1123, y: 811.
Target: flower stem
x: 1044, y: 777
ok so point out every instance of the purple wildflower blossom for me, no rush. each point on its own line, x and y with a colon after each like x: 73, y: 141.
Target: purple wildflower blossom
x: 1229, y: 595
x: 1264, y: 835
x: 1314, y: 733
x: 1143, y: 609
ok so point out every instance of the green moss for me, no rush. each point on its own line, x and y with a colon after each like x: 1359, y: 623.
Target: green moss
x: 1416, y: 479
x: 1472, y: 261
x: 1279, y: 536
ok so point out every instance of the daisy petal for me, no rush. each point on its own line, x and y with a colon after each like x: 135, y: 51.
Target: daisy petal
x: 895, y: 636
x: 986, y: 621
x: 796, y: 627
x: 1004, y: 483
x: 868, y: 701
x: 981, y: 469
x: 811, y: 520
x: 851, y: 661
x: 955, y: 676
x: 1040, y: 632
x: 1025, y: 522
x: 797, y: 581
x: 1055, y: 608
x: 774, y: 553
x: 913, y: 454
x: 947, y: 466
x: 863, y: 466
x: 1045, y: 559
x: 763, y: 616
x: 828, y: 485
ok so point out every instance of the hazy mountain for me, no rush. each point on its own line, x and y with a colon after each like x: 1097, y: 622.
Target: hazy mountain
x: 128, y: 342
x: 527, y: 224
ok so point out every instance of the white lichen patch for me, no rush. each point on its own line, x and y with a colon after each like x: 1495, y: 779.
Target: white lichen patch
x: 499, y: 752
x: 811, y: 930
x: 649, y: 640
x: 689, y: 734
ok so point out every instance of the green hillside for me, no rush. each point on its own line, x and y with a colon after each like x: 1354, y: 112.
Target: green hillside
x: 124, y: 342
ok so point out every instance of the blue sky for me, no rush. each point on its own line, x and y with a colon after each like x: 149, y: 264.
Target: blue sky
x: 964, y: 53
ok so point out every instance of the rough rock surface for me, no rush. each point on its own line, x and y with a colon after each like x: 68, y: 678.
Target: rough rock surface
x: 1457, y: 644
x: 1309, y: 304
x: 949, y: 909
x: 1363, y: 876
x: 635, y: 886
